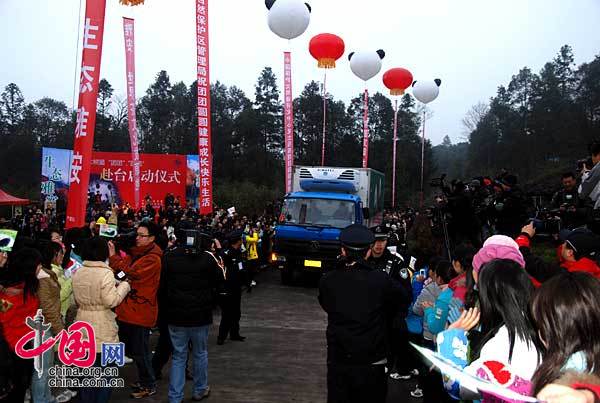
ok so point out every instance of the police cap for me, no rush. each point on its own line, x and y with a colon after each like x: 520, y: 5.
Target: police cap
x: 380, y: 232
x: 357, y: 237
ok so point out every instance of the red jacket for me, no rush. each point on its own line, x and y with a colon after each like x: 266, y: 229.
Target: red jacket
x: 12, y: 321
x: 535, y: 266
x: 143, y: 272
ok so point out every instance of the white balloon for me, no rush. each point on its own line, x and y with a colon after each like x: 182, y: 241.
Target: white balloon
x: 366, y: 64
x: 426, y: 91
x: 289, y: 19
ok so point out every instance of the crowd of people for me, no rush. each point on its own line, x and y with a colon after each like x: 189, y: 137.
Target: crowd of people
x: 472, y: 289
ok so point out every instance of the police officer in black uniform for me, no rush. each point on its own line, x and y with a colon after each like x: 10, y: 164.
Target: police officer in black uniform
x: 358, y: 300
x: 394, y: 265
x: 230, y: 295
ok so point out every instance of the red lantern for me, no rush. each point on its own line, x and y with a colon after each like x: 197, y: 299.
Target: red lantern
x: 397, y: 80
x: 326, y: 48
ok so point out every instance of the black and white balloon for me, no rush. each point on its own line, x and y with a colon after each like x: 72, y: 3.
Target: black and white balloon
x: 366, y: 64
x: 288, y: 19
x: 426, y: 91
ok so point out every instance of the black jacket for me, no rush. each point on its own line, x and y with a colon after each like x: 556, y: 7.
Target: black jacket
x: 400, y: 276
x: 235, y: 270
x: 358, y: 300
x: 188, y: 288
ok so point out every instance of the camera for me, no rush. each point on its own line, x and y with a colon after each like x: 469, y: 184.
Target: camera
x: 125, y: 241
x: 586, y: 163
x: 194, y: 241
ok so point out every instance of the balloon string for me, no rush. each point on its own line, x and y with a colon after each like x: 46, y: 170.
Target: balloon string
x: 324, y: 117
x: 423, y: 159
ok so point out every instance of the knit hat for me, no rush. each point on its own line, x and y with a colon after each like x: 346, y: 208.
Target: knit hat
x: 498, y: 247
x: 101, y: 220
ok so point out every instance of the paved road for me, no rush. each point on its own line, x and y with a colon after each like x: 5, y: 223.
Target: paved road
x: 283, y: 358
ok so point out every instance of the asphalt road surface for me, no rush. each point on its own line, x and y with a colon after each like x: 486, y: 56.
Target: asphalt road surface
x: 282, y: 360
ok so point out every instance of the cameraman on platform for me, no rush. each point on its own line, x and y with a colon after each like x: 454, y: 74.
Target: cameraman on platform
x: 590, y: 186
x: 570, y: 207
x: 191, y: 274
x: 138, y: 312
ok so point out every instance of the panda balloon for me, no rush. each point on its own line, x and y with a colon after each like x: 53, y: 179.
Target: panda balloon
x: 288, y: 19
x: 426, y: 91
x: 366, y: 64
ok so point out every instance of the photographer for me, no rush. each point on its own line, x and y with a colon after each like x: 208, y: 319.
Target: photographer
x: 571, y: 208
x: 577, y: 252
x: 190, y: 276
x: 590, y: 185
x: 509, y: 209
x: 139, y: 311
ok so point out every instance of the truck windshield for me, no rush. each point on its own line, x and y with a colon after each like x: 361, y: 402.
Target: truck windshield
x: 329, y: 213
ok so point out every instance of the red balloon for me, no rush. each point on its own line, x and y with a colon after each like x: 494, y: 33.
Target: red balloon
x: 326, y: 48
x: 397, y: 80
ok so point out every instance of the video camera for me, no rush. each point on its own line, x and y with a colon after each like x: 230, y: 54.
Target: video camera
x: 546, y: 222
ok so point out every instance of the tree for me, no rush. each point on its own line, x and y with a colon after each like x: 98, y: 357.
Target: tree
x: 473, y: 117
x: 269, y: 113
x: 12, y: 105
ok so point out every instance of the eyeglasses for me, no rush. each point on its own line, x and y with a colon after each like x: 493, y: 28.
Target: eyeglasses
x: 143, y: 236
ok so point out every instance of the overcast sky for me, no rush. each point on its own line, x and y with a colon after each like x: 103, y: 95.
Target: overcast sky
x: 472, y: 45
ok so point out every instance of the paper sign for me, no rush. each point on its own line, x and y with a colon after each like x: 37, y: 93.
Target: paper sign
x: 470, y: 382
x: 231, y: 211
x: 108, y: 230
x: 7, y: 239
x: 413, y: 262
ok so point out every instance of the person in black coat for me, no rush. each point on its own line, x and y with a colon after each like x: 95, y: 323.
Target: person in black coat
x: 393, y: 265
x: 191, y: 276
x: 230, y: 294
x: 358, y: 300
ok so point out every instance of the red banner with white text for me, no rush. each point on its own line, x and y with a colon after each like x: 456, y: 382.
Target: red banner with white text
x: 93, y: 32
x: 129, y: 34
x: 288, y: 120
x: 365, y: 160
x: 204, y: 132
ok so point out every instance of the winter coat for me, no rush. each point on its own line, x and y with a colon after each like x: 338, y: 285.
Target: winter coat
x: 435, y: 317
x: 493, y: 363
x: 590, y: 186
x: 541, y: 270
x: 49, y: 296
x: 358, y: 300
x: 12, y: 322
x: 188, y: 288
x: 429, y: 294
x: 251, y: 243
x: 96, y: 293
x: 66, y: 289
x: 143, y: 272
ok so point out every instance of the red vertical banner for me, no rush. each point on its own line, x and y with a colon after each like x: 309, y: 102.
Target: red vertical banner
x: 394, y: 153
x: 79, y: 175
x: 204, y: 133
x: 365, y: 160
x: 288, y: 110
x: 128, y: 31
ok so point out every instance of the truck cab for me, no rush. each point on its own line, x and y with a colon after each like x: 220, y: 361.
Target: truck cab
x: 324, y: 200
